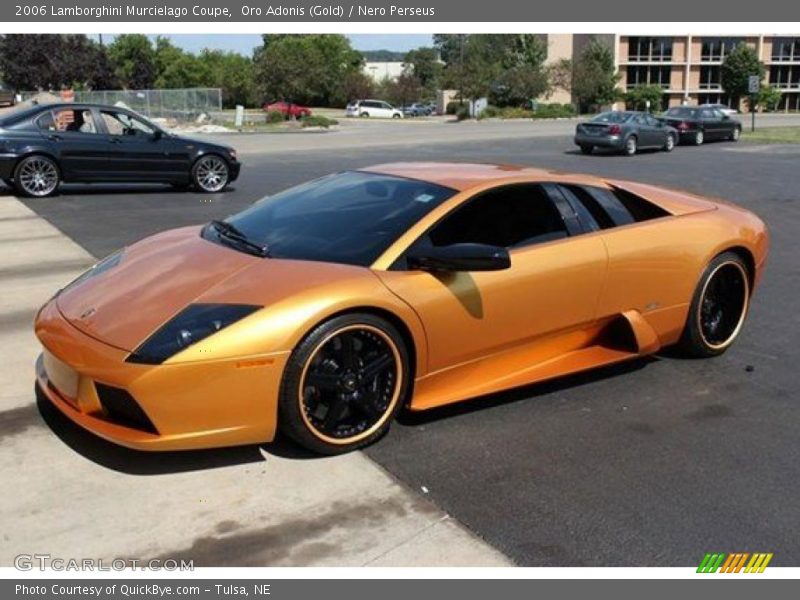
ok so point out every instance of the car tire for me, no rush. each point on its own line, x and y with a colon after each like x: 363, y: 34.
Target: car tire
x: 699, y: 138
x: 587, y: 149
x: 718, y: 308
x: 396, y: 116
x: 736, y: 134
x: 343, y: 401
x: 210, y: 173
x: 36, y: 176
x: 631, y: 145
x: 364, y: 115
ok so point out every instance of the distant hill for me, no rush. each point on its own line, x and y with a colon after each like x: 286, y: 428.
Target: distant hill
x: 382, y: 55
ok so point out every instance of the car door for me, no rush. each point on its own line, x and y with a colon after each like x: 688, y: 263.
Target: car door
x: 552, y: 285
x: 713, y: 125
x: 649, y: 135
x: 76, y: 141
x: 138, y: 151
x: 659, y: 131
x: 386, y: 110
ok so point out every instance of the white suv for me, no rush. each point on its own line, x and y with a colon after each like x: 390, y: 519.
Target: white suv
x: 373, y: 108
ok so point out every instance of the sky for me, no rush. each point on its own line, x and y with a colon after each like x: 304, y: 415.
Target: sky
x: 244, y: 43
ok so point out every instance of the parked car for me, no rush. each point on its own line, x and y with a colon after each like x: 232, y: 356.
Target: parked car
x: 288, y: 109
x: 626, y: 131
x: 697, y: 124
x: 417, y: 109
x: 47, y: 144
x: 322, y: 311
x: 8, y: 95
x: 373, y: 108
x: 723, y: 108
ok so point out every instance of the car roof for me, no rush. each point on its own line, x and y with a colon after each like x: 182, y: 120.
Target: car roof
x: 463, y: 176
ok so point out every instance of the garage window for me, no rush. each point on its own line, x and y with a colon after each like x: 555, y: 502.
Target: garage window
x: 513, y: 216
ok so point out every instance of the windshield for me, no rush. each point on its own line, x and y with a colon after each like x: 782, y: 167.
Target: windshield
x: 349, y: 218
x: 612, y: 117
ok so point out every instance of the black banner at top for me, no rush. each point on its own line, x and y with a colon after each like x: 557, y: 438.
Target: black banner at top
x: 459, y: 11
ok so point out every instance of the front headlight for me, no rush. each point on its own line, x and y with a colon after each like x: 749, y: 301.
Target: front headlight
x: 194, y: 323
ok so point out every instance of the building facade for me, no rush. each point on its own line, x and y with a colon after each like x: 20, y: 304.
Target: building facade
x: 688, y: 67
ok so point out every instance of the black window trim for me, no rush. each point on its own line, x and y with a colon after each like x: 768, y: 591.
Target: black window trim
x: 571, y: 225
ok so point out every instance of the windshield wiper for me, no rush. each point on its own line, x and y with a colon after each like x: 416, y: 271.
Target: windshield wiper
x: 232, y: 233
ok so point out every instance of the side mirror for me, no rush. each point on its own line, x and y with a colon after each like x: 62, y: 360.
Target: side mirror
x: 460, y: 257
x: 726, y: 117
x: 157, y: 134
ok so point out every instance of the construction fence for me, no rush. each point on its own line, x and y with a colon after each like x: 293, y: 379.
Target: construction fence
x: 181, y: 104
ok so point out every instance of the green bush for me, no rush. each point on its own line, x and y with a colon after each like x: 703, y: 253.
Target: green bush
x: 554, y: 111
x: 318, y: 121
x: 275, y: 116
x: 452, y: 107
x: 462, y: 112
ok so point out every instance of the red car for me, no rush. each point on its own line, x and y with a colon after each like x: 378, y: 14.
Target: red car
x: 290, y: 110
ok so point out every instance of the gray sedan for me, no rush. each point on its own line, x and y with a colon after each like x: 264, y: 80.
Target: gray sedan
x: 625, y: 131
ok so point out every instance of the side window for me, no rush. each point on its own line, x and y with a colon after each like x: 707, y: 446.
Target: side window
x: 511, y: 216
x: 706, y: 113
x: 612, y: 208
x: 46, y: 122
x: 653, y: 122
x: 119, y: 123
x: 68, y: 120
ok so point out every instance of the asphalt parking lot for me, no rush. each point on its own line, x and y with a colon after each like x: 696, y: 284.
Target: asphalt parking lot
x: 654, y: 462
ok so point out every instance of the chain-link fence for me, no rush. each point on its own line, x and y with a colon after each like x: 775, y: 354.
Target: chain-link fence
x: 180, y: 104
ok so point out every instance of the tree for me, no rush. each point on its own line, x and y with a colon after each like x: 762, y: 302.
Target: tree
x: 638, y: 97
x: 233, y: 73
x: 768, y: 97
x: 425, y: 65
x: 134, y: 60
x: 50, y: 62
x: 309, y: 69
x: 358, y: 84
x: 736, y: 70
x: 594, y: 76
x: 523, y: 76
x: 404, y: 89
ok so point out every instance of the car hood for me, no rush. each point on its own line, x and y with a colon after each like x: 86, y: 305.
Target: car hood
x: 159, y: 276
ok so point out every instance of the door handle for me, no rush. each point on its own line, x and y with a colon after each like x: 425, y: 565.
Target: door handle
x: 54, y: 137
x: 114, y: 140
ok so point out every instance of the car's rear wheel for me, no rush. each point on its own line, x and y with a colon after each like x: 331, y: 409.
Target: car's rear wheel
x: 699, y: 138
x: 344, y: 384
x: 631, y: 145
x: 669, y: 143
x: 736, y: 134
x: 587, y: 149
x: 365, y: 115
x: 36, y: 176
x: 719, y: 307
x: 210, y: 173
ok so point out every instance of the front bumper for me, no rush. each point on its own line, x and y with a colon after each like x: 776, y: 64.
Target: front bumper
x: 600, y: 141
x: 193, y: 405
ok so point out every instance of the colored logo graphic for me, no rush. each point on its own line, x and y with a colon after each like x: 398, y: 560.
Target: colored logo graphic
x: 735, y: 563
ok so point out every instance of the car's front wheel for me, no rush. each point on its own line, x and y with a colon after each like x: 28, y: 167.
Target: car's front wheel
x: 210, y: 173
x: 719, y: 307
x: 36, y: 176
x: 736, y: 134
x: 364, y: 115
x: 669, y: 143
x: 344, y: 383
x: 397, y: 116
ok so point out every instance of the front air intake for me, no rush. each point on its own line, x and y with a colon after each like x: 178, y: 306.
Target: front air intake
x: 122, y: 409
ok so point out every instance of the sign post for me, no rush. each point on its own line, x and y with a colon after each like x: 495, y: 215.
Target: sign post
x: 753, y: 85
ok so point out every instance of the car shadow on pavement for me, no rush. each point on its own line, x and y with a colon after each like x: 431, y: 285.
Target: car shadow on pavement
x: 135, y: 462
x: 413, y: 419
